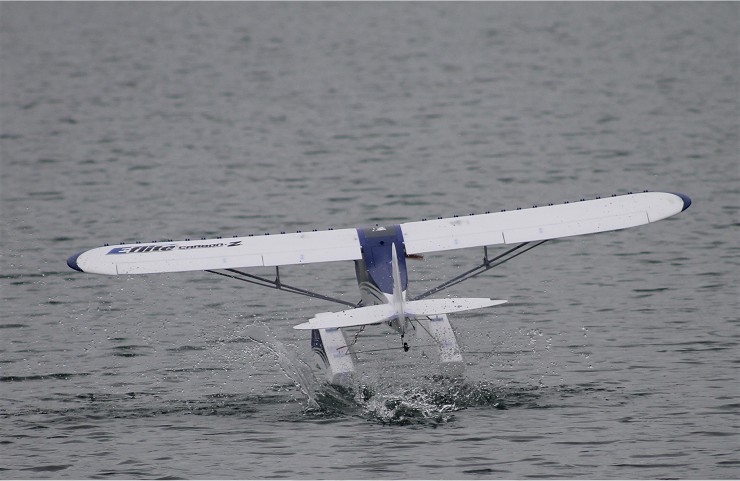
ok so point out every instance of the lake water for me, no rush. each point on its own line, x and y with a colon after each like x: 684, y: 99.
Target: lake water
x: 616, y: 357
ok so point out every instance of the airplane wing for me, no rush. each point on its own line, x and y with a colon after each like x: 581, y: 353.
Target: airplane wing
x: 510, y: 227
x: 228, y: 253
x: 540, y: 223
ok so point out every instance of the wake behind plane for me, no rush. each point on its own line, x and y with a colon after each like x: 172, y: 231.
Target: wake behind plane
x: 379, y: 254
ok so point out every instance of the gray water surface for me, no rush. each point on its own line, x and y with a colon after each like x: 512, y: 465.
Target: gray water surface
x: 616, y: 356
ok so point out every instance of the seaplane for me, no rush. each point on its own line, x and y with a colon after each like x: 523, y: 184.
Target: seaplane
x: 379, y: 254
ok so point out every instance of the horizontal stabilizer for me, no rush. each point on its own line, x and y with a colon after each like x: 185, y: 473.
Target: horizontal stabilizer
x: 362, y: 316
x: 432, y: 307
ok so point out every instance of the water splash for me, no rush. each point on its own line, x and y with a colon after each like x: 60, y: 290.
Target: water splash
x: 290, y: 364
x: 410, y: 407
x: 432, y: 400
x: 420, y: 398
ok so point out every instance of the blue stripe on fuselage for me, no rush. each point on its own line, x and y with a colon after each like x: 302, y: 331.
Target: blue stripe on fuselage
x: 376, y: 243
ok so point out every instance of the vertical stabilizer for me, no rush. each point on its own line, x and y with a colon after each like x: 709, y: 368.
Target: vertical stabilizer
x: 398, y: 291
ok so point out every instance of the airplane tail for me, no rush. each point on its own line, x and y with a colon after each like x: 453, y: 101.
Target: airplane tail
x: 397, y: 310
x: 398, y: 301
x: 363, y: 316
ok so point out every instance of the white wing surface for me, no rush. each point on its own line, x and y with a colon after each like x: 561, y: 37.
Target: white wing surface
x: 540, y: 223
x: 230, y: 253
x: 511, y: 227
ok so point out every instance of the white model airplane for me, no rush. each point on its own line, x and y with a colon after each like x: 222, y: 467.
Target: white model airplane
x: 379, y: 254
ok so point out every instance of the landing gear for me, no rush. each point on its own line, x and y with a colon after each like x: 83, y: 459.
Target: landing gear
x: 337, y: 355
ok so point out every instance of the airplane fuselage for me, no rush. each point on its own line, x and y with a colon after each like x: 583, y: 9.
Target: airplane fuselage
x: 375, y: 271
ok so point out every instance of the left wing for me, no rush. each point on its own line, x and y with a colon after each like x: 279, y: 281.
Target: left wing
x: 229, y: 253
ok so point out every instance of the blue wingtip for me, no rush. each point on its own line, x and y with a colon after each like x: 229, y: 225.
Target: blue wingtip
x: 72, y: 262
x: 686, y: 200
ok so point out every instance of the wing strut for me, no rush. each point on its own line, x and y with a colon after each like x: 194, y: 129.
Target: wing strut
x: 480, y: 269
x: 278, y: 284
